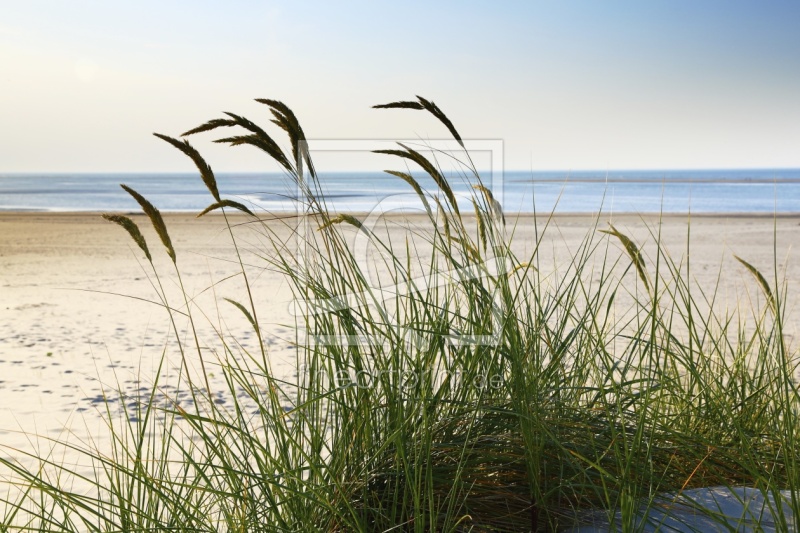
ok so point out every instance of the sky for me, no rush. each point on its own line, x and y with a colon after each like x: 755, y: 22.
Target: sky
x: 656, y: 84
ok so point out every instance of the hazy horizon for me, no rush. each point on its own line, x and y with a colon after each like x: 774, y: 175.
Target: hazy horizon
x: 191, y: 171
x: 574, y: 85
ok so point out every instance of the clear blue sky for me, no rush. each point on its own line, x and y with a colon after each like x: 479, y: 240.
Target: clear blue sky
x: 566, y: 84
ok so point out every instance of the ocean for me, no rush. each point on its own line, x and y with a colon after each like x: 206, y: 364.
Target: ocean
x: 668, y: 191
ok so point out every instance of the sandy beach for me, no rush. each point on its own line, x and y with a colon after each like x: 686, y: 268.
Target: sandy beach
x: 77, y: 319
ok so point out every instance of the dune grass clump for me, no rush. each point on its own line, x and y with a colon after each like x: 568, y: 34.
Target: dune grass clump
x: 444, y: 382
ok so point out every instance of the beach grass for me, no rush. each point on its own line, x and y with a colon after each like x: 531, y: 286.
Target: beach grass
x: 444, y: 382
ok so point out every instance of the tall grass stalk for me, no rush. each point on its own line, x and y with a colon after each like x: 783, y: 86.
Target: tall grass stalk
x: 443, y: 381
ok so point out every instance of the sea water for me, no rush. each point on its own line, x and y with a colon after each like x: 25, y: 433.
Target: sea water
x: 668, y: 191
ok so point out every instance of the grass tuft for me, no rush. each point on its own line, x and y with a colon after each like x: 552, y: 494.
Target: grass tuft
x: 443, y: 380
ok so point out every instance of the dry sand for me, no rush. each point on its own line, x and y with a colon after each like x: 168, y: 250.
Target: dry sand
x: 75, y: 320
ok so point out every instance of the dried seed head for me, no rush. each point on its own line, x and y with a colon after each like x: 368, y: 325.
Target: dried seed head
x: 155, y: 218
x: 133, y: 230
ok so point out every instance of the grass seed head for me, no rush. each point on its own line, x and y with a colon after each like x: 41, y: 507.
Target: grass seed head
x: 155, y: 218
x: 205, y: 170
x: 132, y: 229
